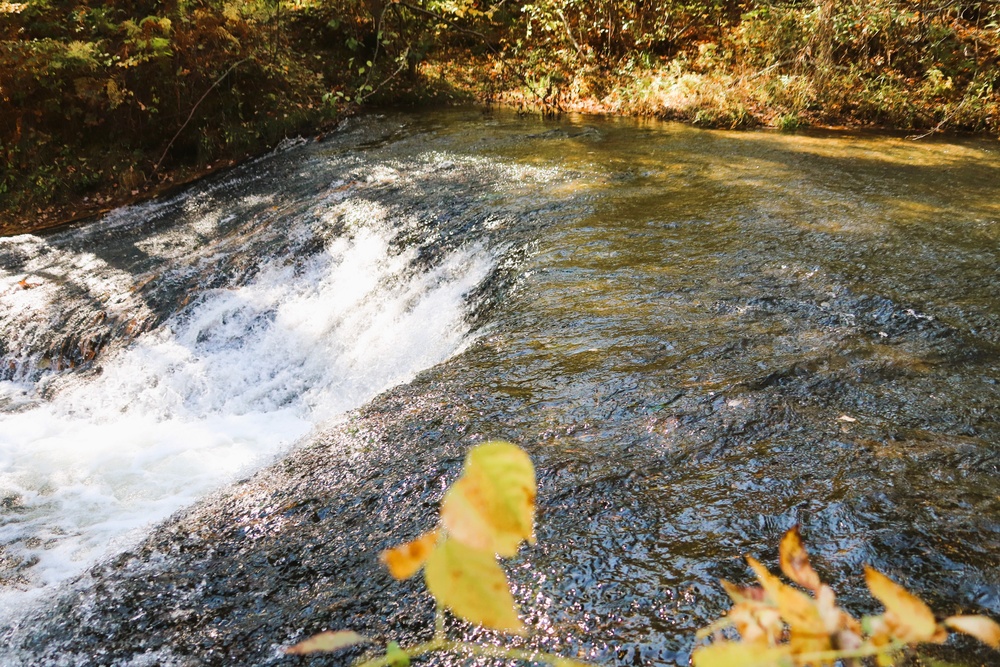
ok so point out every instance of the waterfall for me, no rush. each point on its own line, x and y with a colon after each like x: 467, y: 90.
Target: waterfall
x: 326, y: 310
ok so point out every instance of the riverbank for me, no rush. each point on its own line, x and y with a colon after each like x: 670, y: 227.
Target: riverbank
x: 101, y: 107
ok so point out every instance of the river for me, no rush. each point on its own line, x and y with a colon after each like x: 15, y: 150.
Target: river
x: 215, y: 409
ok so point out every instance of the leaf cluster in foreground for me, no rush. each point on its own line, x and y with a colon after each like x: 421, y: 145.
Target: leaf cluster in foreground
x: 785, y: 626
x: 487, y: 512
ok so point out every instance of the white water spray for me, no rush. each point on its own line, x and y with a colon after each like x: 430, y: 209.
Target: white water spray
x: 220, y: 389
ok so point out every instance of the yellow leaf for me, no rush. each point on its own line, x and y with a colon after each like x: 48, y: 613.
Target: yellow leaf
x: 836, y: 619
x: 798, y: 609
x: 756, y: 622
x: 803, y: 643
x: 471, y: 584
x: 406, y: 560
x: 737, y: 654
x: 908, y: 618
x: 886, y: 659
x: 492, y: 505
x: 982, y: 628
x: 327, y: 641
x: 795, y: 561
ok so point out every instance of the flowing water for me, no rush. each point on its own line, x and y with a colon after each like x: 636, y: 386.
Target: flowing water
x: 702, y: 338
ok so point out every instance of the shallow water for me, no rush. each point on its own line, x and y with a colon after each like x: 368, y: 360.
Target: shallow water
x: 702, y: 338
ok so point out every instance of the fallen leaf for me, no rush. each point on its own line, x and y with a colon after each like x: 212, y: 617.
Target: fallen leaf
x: 982, y: 628
x: 846, y: 418
x: 492, y: 505
x: 471, y: 584
x: 332, y: 640
x: 406, y: 560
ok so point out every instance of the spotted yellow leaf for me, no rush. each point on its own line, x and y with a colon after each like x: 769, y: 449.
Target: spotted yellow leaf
x: 908, y: 617
x: 406, y: 560
x: 492, y: 505
x: 982, y: 628
x: 795, y: 561
x: 332, y: 640
x: 470, y: 583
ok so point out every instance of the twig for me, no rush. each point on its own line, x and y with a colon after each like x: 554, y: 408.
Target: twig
x: 569, y: 33
x: 492, y: 49
x: 378, y: 43
x: 938, y: 128
x: 191, y: 115
x: 451, y: 22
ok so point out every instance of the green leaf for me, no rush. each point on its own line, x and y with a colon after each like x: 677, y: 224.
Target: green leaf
x: 327, y: 641
x: 492, y: 505
x: 396, y: 656
x: 470, y: 583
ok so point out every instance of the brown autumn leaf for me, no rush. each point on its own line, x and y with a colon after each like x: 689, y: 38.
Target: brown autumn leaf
x: 406, y: 560
x: 909, y: 619
x: 471, y: 584
x: 332, y: 640
x: 795, y: 561
x: 982, y: 628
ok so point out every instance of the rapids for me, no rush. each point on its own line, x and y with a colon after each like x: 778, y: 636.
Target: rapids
x: 702, y: 338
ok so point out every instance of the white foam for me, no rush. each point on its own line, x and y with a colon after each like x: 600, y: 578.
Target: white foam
x: 224, y: 387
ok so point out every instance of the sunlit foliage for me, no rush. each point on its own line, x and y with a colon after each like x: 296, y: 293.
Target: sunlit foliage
x: 783, y: 626
x: 489, y: 510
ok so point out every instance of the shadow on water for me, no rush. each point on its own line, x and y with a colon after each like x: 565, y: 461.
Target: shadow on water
x: 702, y: 338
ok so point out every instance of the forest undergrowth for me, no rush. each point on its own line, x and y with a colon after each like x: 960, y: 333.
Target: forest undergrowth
x: 106, y: 103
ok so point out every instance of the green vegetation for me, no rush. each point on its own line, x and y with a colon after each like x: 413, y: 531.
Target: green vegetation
x: 111, y: 100
x: 785, y: 63
x: 102, y: 102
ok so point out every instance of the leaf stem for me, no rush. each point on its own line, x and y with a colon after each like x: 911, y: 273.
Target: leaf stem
x: 865, y: 651
x: 476, y: 650
x: 438, y: 622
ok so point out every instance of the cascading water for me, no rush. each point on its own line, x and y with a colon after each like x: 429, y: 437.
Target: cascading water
x: 156, y: 355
